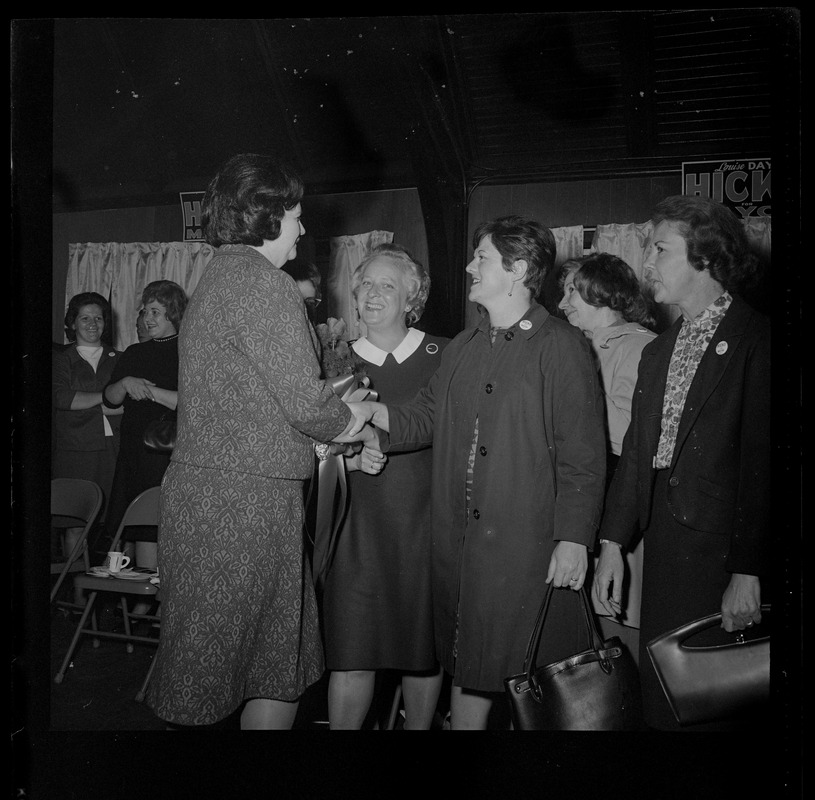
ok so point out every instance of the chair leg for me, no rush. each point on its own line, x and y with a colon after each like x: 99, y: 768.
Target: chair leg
x: 141, y: 693
x: 82, y: 545
x: 397, y: 697
x: 126, y: 616
x: 77, y: 633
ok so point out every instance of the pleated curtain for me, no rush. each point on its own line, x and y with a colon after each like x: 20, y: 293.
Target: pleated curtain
x: 121, y: 270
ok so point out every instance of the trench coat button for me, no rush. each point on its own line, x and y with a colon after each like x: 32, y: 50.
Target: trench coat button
x: 482, y: 450
x: 476, y: 513
x: 674, y: 481
x: 509, y: 335
x: 488, y: 388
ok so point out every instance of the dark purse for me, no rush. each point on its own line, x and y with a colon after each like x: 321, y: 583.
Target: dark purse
x: 596, y: 690
x: 712, y: 683
x: 159, y: 435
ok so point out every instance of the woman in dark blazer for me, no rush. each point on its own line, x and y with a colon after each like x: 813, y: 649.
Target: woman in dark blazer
x: 85, y: 432
x: 694, y: 474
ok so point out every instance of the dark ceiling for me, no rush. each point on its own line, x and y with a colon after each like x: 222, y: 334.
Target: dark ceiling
x: 145, y: 108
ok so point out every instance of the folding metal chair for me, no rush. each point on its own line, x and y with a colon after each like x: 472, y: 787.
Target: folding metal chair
x: 143, y: 512
x: 75, y: 503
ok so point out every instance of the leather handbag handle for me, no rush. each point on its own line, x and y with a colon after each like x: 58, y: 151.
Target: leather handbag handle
x: 537, y: 632
x: 678, y: 635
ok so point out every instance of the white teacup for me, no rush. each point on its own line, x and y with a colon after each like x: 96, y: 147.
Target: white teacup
x: 116, y: 561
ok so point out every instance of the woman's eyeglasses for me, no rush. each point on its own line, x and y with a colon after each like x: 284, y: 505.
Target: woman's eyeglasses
x: 312, y: 302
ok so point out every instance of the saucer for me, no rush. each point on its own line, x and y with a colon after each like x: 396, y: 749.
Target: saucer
x: 98, y: 572
x: 133, y: 575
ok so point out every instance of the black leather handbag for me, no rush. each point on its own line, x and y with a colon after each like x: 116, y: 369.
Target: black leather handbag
x: 713, y: 683
x: 159, y: 435
x: 596, y: 690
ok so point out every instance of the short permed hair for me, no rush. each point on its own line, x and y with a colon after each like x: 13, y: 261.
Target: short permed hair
x: 245, y: 202
x: 89, y: 299
x: 170, y: 295
x: 604, y: 280
x: 415, y: 275
x: 521, y: 238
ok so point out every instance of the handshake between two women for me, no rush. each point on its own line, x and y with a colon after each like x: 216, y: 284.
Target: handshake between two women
x: 367, y: 417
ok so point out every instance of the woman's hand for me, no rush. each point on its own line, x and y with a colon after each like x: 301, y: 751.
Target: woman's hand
x: 371, y: 460
x: 137, y: 388
x: 608, y: 579
x: 568, y: 565
x: 741, y: 602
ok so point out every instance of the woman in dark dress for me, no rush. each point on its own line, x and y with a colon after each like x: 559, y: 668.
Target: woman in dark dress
x: 377, y: 606
x: 145, y: 384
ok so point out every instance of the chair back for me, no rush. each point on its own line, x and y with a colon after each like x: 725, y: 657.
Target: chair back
x: 75, y: 503
x: 142, y: 511
x: 75, y: 498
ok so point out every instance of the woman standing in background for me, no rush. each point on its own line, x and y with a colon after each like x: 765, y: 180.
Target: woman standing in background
x: 145, y: 386
x: 602, y: 297
x: 85, y: 431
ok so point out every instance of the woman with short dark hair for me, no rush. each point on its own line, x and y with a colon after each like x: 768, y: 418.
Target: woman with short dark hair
x: 85, y: 432
x: 239, y: 619
x: 515, y: 417
x: 603, y: 297
x: 695, y: 471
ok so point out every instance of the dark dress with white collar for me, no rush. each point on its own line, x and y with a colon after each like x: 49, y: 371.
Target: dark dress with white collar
x: 377, y: 606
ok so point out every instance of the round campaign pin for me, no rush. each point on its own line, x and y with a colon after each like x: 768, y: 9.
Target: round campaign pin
x: 432, y: 348
x: 721, y: 348
x: 524, y: 324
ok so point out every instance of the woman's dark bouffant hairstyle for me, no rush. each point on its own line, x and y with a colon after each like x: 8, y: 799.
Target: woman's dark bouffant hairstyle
x: 89, y: 299
x: 521, y: 238
x: 246, y: 200
x: 170, y: 295
x: 715, y: 239
x: 604, y: 280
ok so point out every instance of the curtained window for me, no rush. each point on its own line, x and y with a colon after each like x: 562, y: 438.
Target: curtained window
x: 120, y: 271
x: 626, y: 241
x: 569, y: 243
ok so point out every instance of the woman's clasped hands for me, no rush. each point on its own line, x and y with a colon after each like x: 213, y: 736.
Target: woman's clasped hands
x: 138, y: 388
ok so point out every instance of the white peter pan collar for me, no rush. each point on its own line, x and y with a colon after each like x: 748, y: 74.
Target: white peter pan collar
x: 407, y: 347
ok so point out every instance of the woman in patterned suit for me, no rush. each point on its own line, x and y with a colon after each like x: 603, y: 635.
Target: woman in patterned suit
x: 239, y: 621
